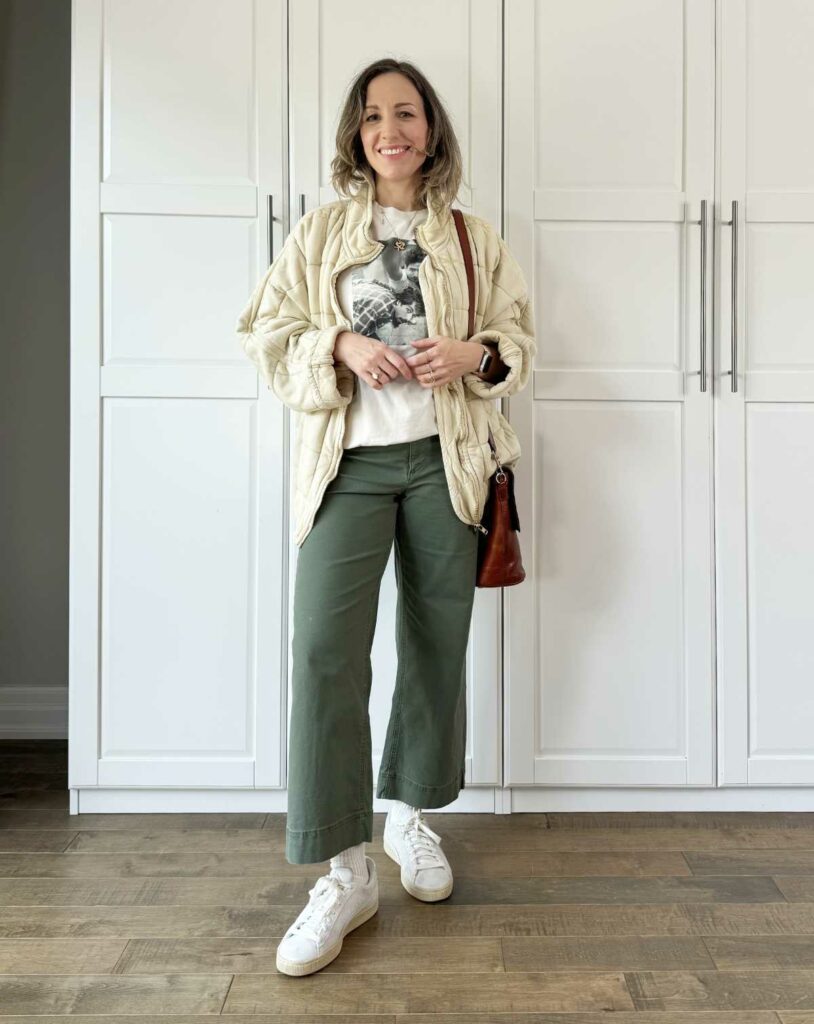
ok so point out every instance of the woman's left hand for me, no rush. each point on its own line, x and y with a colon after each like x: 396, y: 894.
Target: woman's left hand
x: 449, y: 358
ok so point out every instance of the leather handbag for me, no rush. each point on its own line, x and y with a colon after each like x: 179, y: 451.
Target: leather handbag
x: 499, y: 560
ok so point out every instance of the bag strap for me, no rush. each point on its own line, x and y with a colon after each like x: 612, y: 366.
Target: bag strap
x: 466, y: 249
x: 463, y: 237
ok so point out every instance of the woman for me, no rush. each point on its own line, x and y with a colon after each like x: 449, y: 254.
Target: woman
x: 358, y: 327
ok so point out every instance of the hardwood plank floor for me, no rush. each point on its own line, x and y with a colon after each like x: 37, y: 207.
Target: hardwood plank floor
x: 554, y: 919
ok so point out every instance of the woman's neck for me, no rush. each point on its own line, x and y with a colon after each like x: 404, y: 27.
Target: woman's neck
x: 400, y: 195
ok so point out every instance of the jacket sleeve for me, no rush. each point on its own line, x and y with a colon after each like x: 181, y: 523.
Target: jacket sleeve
x: 293, y: 355
x: 508, y: 320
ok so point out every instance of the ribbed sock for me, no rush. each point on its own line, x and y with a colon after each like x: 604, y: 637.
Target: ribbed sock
x: 353, y: 858
x: 401, y: 811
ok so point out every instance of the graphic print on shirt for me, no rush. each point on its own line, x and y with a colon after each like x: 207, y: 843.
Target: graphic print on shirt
x: 387, y: 301
x: 383, y: 301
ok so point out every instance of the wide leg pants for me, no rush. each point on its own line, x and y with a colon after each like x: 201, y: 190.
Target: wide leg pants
x: 381, y: 494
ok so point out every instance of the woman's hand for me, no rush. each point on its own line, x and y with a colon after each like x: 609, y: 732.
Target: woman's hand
x: 449, y: 358
x: 366, y: 356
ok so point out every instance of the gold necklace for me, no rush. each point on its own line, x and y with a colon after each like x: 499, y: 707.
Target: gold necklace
x: 400, y: 243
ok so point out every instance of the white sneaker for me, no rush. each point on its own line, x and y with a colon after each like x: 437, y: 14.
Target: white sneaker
x: 337, y: 905
x: 425, y: 870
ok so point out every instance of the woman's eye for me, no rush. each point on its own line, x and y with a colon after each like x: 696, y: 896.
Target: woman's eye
x: 407, y: 112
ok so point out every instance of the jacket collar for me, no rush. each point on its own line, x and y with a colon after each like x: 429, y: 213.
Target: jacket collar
x: 434, y: 234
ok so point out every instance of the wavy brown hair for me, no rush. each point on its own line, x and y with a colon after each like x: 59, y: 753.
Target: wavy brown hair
x: 442, y: 170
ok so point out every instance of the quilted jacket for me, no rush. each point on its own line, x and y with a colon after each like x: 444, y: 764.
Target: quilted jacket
x: 292, y: 319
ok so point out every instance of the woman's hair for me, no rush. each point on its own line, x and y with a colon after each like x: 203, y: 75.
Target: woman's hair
x: 441, y: 172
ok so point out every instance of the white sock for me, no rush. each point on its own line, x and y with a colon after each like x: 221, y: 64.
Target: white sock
x: 353, y: 858
x: 401, y: 811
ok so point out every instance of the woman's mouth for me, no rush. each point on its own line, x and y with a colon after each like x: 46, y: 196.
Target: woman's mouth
x: 394, y: 152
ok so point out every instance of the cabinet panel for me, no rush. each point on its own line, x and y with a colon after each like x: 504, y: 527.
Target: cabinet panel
x: 609, y: 262
x: 176, y: 554
x: 780, y: 556
x: 175, y: 110
x: 778, y: 37
x: 166, y: 281
x: 609, y: 76
x: 764, y: 416
x: 615, y: 489
x: 609, y: 490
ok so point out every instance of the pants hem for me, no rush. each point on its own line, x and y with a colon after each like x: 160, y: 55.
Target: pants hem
x: 311, y: 846
x: 395, y: 786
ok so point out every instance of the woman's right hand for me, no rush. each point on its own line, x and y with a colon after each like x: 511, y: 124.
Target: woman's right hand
x: 366, y: 356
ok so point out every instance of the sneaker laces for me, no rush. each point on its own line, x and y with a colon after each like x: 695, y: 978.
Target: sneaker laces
x: 421, y: 839
x: 324, y: 900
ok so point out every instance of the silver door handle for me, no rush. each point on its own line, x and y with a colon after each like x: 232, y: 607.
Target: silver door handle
x: 270, y: 240
x: 734, y: 355
x: 703, y: 241
x: 703, y: 273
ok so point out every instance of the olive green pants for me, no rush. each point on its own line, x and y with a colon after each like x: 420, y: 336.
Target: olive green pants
x: 381, y: 493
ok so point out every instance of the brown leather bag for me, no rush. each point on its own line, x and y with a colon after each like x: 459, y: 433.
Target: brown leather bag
x: 499, y: 561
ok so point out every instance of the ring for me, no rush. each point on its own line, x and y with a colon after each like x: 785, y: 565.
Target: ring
x: 374, y: 375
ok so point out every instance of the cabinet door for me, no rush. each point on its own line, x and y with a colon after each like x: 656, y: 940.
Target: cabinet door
x: 175, y: 524
x: 328, y: 45
x: 765, y: 428
x: 609, y: 152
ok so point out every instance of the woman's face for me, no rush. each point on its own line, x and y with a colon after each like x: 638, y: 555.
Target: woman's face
x: 404, y: 312
x: 394, y: 118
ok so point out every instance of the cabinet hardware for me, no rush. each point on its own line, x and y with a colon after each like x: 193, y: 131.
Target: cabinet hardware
x: 270, y: 203
x: 734, y: 224
x: 703, y: 270
x: 702, y: 373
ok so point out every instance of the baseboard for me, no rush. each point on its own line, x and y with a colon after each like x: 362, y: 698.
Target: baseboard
x: 472, y: 799
x: 661, y: 798
x: 33, y: 712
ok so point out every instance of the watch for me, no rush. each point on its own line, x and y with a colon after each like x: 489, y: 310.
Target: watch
x: 486, y: 361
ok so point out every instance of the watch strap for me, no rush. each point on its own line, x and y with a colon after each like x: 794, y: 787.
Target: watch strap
x: 486, y: 360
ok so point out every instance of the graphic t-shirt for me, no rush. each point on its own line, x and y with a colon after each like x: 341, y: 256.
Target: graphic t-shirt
x: 383, y: 300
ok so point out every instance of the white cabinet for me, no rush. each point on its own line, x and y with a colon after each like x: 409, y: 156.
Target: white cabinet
x: 662, y: 641
x: 764, y: 430
x: 201, y: 132
x: 611, y: 680
x: 669, y: 526
x: 176, y: 509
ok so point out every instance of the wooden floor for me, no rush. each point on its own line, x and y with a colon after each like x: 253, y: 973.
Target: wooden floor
x: 554, y: 919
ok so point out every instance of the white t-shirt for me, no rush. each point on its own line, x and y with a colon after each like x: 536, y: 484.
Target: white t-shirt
x: 383, y: 300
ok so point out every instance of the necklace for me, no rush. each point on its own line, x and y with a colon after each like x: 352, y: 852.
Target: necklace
x: 400, y: 243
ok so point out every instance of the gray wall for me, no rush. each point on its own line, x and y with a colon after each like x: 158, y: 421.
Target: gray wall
x: 35, y: 61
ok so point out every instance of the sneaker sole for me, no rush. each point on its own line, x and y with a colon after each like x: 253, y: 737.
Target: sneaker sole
x: 427, y: 895
x: 297, y: 968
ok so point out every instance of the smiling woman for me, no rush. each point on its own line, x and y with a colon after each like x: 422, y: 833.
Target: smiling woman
x: 371, y: 289
x: 396, y: 135
x: 393, y: 134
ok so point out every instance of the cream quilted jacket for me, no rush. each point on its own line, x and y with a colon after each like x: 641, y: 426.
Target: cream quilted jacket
x: 291, y: 321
